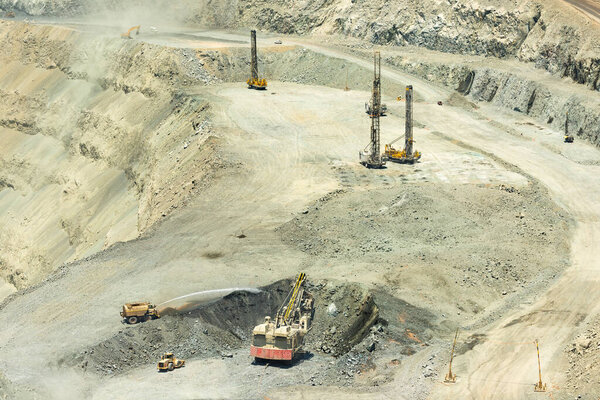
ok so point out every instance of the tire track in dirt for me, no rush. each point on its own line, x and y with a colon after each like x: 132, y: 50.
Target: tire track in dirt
x: 591, y: 8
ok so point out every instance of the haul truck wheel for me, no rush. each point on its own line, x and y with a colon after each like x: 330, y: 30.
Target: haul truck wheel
x: 132, y: 320
x: 171, y: 367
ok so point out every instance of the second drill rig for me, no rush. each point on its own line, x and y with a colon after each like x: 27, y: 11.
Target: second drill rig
x: 370, y: 157
x: 568, y: 138
x: 254, y: 82
x: 408, y: 155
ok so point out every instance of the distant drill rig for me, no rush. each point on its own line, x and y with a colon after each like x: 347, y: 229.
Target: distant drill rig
x: 254, y: 82
x: 370, y: 157
x: 568, y: 138
x: 408, y: 155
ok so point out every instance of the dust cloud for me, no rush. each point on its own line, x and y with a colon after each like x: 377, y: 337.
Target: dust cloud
x: 152, y: 15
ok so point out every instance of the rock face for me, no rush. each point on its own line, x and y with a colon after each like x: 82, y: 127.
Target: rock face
x: 453, y: 27
x: 508, y: 86
x: 43, y: 7
x: 556, y: 39
x: 564, y: 48
x: 526, y: 96
x: 552, y: 36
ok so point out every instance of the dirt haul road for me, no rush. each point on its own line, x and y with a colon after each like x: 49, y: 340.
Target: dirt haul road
x: 504, y: 367
x: 589, y: 7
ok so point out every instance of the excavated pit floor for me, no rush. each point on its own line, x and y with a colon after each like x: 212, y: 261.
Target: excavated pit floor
x: 353, y: 330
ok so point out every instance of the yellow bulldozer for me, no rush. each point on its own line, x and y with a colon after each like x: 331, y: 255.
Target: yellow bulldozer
x: 168, y: 362
x: 133, y: 313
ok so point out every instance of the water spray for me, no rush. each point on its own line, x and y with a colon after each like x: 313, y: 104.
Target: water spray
x: 194, y: 300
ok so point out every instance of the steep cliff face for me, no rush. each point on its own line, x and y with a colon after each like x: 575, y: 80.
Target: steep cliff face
x: 566, y: 46
x: 510, y: 84
x: 550, y: 34
x: 458, y: 27
x: 44, y: 7
x: 96, y: 146
x: 563, y: 110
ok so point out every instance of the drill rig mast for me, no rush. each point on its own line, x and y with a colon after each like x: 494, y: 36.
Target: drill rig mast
x: 371, y: 156
x: 451, y: 377
x: 254, y: 82
x: 568, y: 138
x: 408, y: 155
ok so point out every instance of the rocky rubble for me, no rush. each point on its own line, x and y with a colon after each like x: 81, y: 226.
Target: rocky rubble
x: 44, y: 7
x: 6, y: 389
x: 319, y: 230
x: 583, y: 355
x: 442, y: 235
x: 355, y: 332
x: 210, y: 331
x: 343, y: 317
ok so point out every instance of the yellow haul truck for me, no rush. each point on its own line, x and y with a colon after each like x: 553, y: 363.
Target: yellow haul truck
x: 139, y: 312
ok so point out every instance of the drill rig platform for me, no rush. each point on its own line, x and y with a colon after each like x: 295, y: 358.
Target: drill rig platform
x: 254, y: 82
x: 370, y: 157
x: 407, y: 155
x: 282, y: 339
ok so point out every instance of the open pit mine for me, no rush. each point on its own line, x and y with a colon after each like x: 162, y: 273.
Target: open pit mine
x: 300, y: 199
